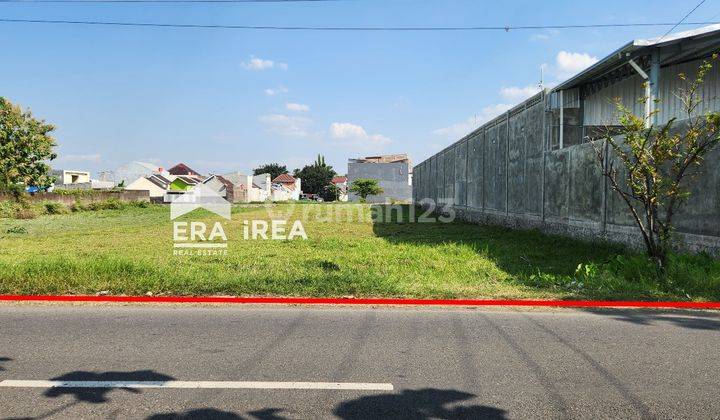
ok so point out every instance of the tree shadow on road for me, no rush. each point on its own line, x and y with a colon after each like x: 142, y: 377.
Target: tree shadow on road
x: 99, y: 395
x: 214, y: 414
x: 428, y: 403
x: 696, y: 320
x: 198, y: 414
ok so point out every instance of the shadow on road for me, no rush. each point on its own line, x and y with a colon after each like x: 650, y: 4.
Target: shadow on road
x: 99, y: 395
x: 213, y: 414
x: 199, y: 414
x: 696, y: 320
x: 4, y: 359
x: 428, y: 403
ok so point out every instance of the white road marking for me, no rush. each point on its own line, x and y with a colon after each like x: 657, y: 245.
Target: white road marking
x: 198, y: 385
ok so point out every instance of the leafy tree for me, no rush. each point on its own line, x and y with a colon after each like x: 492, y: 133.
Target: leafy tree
x: 25, y: 145
x: 331, y: 192
x: 659, y: 163
x: 315, y: 177
x: 365, y: 187
x: 273, y: 169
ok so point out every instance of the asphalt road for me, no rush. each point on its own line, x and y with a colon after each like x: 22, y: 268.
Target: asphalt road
x: 442, y: 363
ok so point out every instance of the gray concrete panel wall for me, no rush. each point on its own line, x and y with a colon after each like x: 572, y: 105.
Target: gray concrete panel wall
x: 494, y: 171
x: 460, y: 187
x: 474, y: 171
x: 392, y: 177
x: 506, y: 172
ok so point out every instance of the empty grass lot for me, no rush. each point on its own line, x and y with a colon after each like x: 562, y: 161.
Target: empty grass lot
x: 129, y: 251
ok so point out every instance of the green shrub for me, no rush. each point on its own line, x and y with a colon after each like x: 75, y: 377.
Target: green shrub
x: 54, y: 207
x: 17, y: 229
x: 687, y: 276
x: 7, y: 209
x: 140, y: 204
x: 77, y: 206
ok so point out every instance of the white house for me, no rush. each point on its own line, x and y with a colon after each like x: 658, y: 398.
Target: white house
x: 156, y: 184
x: 286, y: 187
x: 65, y: 177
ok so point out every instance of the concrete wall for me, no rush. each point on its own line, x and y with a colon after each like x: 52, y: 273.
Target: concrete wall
x: 507, y: 172
x: 95, y: 196
x: 394, y: 178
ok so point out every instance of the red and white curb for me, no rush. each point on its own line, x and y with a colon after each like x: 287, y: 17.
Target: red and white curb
x: 366, y: 301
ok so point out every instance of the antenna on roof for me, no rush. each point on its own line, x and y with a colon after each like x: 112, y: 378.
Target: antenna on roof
x: 540, y: 85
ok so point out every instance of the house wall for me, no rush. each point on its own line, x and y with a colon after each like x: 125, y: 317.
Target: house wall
x: 75, y: 177
x: 142, y: 184
x: 218, y: 186
x: 506, y: 173
x: 394, y: 178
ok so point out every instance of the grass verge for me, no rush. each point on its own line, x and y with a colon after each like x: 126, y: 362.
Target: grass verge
x: 128, y: 250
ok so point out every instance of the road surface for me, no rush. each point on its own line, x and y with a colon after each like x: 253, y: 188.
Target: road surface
x: 273, y: 362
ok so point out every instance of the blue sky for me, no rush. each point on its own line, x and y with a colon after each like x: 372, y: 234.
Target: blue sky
x: 224, y: 100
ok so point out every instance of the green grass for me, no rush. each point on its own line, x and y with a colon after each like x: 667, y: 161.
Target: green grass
x: 129, y: 251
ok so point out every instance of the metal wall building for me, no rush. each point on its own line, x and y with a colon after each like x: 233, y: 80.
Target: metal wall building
x: 533, y: 167
x: 393, y: 173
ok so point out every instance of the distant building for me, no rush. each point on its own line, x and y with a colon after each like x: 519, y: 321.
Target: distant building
x: 179, y: 186
x: 78, y: 180
x: 155, y: 184
x: 182, y: 169
x: 66, y: 177
x: 249, y: 188
x: 286, y: 187
x: 393, y: 173
x: 341, y: 182
x: 222, y: 186
x: 129, y: 172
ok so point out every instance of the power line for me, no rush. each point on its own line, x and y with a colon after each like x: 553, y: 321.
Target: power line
x: 166, y: 1
x: 347, y: 28
x: 682, y: 20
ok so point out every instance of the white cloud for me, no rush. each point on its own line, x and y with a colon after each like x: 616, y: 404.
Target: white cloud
x: 93, y: 158
x: 355, y: 135
x: 276, y: 91
x: 544, y: 35
x: 568, y: 64
x: 515, y: 94
x: 297, y: 107
x: 460, y: 129
x: 259, y: 64
x: 287, y: 125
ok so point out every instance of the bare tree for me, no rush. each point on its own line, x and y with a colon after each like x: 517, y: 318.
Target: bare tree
x: 659, y: 162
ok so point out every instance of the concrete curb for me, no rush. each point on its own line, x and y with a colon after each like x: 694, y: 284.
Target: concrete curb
x: 364, y: 301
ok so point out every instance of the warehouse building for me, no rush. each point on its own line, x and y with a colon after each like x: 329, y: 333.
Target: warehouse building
x: 533, y: 166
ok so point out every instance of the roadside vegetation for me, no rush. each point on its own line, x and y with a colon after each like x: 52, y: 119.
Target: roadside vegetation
x: 130, y: 252
x: 25, y: 209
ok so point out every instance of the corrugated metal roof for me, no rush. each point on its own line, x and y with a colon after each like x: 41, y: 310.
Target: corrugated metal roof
x: 638, y: 47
